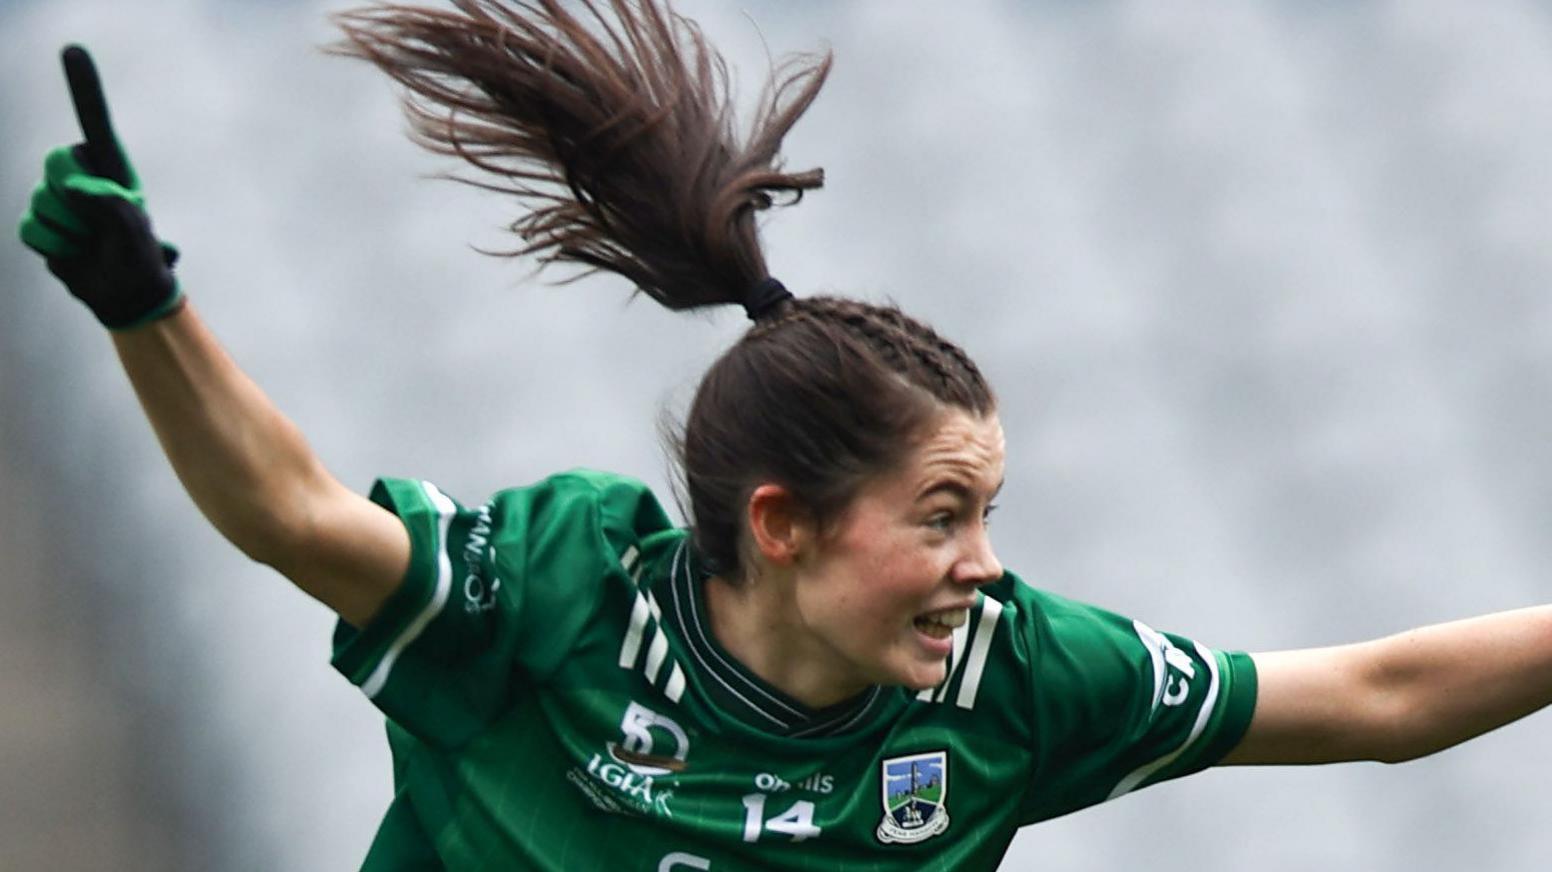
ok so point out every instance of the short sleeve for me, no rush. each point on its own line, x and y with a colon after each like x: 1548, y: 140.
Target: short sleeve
x: 1119, y: 705
x: 494, y: 597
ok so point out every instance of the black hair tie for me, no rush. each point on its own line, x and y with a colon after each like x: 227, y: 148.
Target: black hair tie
x: 765, y: 297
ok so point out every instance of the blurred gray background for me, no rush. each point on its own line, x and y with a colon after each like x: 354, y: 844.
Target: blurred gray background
x: 1264, y: 288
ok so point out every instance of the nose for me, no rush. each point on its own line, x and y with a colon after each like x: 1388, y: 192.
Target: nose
x: 979, y: 564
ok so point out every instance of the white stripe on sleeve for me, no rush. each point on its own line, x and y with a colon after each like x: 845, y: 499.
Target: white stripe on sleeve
x: 1203, y: 715
x: 444, y: 584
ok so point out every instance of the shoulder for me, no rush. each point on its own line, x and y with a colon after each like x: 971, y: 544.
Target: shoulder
x: 619, y: 498
x: 575, y: 492
x: 542, y: 557
x: 567, y: 552
x: 1072, y: 648
x: 578, y: 513
x: 572, y: 520
x: 579, y: 527
x: 1048, y: 659
x: 1098, y: 677
x: 1050, y: 625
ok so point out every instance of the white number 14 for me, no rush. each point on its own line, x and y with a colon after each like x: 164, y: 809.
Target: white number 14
x: 797, y: 821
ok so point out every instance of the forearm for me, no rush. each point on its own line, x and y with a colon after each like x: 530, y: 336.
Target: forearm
x: 1450, y: 682
x: 245, y: 464
x: 1400, y: 697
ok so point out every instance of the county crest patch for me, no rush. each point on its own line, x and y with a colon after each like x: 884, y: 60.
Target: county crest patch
x: 915, y: 795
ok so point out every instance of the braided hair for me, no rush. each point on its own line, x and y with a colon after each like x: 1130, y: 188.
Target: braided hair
x: 611, y: 123
x: 819, y: 397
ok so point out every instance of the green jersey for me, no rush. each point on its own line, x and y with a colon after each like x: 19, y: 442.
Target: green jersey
x: 556, y: 700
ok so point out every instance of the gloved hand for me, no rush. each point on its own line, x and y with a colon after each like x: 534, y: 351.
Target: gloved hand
x: 88, y: 218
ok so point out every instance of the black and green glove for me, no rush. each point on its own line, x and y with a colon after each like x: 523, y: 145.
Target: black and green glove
x: 88, y: 217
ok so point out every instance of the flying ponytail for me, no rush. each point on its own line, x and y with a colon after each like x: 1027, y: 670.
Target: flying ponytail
x: 614, y: 130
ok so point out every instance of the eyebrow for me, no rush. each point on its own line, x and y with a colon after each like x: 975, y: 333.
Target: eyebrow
x: 958, y: 489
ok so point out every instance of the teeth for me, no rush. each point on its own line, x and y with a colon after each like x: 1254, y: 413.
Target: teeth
x: 953, y: 618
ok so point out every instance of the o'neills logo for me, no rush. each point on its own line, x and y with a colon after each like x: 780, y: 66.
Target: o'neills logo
x: 915, y: 795
x: 478, y: 596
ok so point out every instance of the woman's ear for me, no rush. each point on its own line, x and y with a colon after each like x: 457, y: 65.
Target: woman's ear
x: 778, y: 526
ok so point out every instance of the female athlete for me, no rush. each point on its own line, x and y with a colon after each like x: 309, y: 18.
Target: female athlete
x: 829, y: 666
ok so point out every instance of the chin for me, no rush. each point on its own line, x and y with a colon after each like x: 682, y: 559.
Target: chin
x: 922, y: 676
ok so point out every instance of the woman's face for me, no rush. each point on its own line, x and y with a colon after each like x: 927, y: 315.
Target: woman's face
x: 882, y: 590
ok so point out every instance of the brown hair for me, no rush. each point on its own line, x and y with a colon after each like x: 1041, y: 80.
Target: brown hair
x: 616, y: 131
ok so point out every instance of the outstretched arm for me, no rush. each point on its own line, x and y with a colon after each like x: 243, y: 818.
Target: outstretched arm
x: 246, y: 466
x: 252, y: 473
x: 1401, y: 697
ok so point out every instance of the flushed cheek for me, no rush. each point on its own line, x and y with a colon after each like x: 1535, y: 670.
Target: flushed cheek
x: 883, y: 635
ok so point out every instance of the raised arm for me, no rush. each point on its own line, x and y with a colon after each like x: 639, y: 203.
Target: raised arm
x: 252, y: 473
x: 1401, y: 697
x: 245, y: 465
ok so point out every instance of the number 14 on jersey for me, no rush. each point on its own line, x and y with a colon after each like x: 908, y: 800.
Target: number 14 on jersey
x: 796, y: 822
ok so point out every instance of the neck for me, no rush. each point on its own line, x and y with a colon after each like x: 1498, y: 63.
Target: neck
x: 759, y: 625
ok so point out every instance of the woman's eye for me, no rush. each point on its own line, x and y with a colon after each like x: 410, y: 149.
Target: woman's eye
x: 944, y: 521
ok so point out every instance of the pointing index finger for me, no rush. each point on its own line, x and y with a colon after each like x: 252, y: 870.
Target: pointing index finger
x: 91, y: 109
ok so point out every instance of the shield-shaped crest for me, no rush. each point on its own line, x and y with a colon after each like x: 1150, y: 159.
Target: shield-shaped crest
x: 915, y: 795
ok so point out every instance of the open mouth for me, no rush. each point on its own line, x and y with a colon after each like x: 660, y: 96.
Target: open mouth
x: 942, y: 624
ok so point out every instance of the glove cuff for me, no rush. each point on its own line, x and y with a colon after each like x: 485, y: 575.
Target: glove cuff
x: 167, y: 307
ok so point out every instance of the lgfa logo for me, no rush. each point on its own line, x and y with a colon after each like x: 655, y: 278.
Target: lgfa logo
x: 652, y: 745
x: 915, y: 796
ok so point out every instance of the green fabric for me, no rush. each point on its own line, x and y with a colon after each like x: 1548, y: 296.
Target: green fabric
x: 546, y: 711
x: 63, y: 175
x: 401, y: 844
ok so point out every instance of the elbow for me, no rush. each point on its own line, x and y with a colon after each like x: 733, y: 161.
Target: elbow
x: 1399, y: 726
x: 267, y: 540
x: 1403, y: 750
x: 275, y: 525
x: 264, y: 546
x: 1399, y: 754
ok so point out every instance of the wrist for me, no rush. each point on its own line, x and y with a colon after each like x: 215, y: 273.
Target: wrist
x: 167, y: 308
